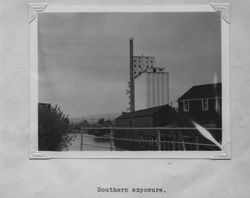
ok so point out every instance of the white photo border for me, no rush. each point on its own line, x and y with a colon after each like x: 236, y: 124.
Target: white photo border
x: 35, y: 8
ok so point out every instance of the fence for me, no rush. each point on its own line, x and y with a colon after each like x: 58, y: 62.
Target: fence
x: 155, y: 138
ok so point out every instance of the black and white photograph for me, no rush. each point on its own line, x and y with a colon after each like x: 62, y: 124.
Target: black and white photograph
x: 130, y: 81
x: 123, y: 98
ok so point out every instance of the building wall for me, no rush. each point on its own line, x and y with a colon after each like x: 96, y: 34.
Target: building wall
x: 141, y: 63
x: 151, y: 90
x: 164, y: 116
x: 135, y: 122
x: 141, y: 92
x: 195, y: 106
x: 213, y: 114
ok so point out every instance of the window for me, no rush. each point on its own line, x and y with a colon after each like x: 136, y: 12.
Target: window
x: 130, y: 123
x: 218, y: 105
x: 186, y: 105
x: 204, y: 104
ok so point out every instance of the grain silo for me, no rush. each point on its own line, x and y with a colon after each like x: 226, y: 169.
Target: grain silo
x: 151, y: 89
x: 149, y: 84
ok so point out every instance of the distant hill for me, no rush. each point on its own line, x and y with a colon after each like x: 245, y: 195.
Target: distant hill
x: 95, y: 118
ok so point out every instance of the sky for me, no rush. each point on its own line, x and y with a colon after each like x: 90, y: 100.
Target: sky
x: 83, y: 58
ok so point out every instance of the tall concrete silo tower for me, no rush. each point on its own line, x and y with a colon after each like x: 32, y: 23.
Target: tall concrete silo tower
x: 149, y: 85
x: 152, y: 89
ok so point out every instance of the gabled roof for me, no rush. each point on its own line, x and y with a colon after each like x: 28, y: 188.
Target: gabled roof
x: 145, y: 112
x: 203, y: 91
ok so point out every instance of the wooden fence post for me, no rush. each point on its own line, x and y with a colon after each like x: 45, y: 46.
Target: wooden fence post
x: 174, y: 140
x: 183, y: 145
x: 81, y: 139
x: 197, y: 142
x: 111, y: 138
x: 158, y: 139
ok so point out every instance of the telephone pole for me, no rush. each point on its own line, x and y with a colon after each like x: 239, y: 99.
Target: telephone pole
x: 131, y: 82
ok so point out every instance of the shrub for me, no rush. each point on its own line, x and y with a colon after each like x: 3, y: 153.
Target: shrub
x: 53, y: 126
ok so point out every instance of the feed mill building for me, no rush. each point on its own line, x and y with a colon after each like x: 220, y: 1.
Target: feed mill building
x: 149, y: 84
x: 149, y: 99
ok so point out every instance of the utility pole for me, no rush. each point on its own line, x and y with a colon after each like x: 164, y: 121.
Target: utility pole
x: 131, y: 82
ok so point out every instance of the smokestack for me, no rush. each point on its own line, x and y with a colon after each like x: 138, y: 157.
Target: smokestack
x: 132, y: 82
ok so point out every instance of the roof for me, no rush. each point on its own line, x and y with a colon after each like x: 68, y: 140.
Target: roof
x: 145, y: 112
x: 203, y: 91
x: 180, y: 118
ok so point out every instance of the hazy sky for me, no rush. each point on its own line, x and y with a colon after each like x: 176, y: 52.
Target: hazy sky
x: 84, y: 57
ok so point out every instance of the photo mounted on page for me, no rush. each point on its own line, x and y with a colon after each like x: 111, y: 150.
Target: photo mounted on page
x: 146, y: 81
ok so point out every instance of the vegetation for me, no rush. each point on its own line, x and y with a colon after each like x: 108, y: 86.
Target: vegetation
x: 101, y: 121
x: 53, y: 126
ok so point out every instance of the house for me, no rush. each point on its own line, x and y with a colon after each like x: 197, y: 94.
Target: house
x: 202, y: 103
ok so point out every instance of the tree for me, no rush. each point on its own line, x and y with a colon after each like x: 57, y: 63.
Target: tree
x: 53, y: 126
x: 108, y: 123
x: 101, y: 121
x: 85, y: 123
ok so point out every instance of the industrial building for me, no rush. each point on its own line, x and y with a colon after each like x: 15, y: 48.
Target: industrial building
x: 142, y: 64
x: 149, y: 108
x: 151, y: 89
x: 160, y: 116
x: 174, y: 138
x: 149, y: 84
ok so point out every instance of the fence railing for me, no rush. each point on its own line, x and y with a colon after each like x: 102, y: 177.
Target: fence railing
x: 148, y: 138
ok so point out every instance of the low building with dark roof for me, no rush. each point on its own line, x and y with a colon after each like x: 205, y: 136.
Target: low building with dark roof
x: 160, y: 116
x: 203, y: 91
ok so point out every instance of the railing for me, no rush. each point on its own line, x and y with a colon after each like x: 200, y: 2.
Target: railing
x: 153, y: 138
